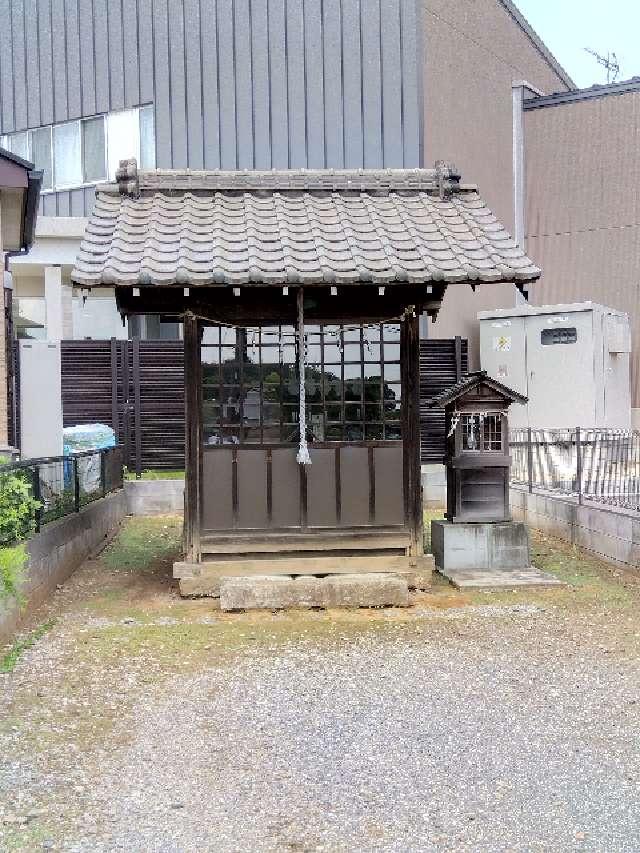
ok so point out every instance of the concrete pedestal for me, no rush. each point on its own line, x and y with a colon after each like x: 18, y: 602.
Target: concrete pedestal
x: 498, y: 545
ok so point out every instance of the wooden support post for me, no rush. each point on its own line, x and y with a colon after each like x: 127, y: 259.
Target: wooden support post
x: 137, y: 411
x: 193, y: 432
x: 410, y: 356
x: 114, y: 390
x: 458, y: 346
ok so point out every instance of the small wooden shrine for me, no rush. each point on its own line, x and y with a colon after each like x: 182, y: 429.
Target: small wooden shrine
x: 300, y: 294
x: 477, y: 459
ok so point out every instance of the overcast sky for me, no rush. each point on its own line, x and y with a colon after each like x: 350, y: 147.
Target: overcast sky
x: 568, y: 26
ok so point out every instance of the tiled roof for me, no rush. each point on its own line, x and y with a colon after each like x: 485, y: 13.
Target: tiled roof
x: 471, y: 380
x: 294, y: 227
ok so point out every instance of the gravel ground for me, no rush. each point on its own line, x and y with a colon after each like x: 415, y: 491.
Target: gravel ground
x: 419, y: 738
x: 393, y: 745
x: 484, y: 728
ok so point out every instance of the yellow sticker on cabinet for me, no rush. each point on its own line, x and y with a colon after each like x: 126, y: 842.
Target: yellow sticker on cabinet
x: 502, y: 343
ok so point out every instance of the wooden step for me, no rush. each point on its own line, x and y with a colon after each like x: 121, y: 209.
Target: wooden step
x: 305, y: 541
x: 303, y: 565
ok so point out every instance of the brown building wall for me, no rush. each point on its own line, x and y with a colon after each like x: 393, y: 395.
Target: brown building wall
x: 474, y: 51
x: 582, y: 220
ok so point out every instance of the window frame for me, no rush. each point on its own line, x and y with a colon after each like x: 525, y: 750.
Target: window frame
x: 334, y: 416
x: 486, y: 437
x: 55, y: 187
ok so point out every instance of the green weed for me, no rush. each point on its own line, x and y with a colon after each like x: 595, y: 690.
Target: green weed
x: 11, y: 658
x: 144, y: 542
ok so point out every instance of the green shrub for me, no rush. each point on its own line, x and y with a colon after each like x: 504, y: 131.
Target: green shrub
x: 18, y: 507
x: 12, y: 563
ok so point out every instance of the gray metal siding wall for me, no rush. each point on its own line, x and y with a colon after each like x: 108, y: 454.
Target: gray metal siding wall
x: 236, y: 83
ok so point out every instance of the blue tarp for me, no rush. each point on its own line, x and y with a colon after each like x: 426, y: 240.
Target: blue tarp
x: 75, y: 439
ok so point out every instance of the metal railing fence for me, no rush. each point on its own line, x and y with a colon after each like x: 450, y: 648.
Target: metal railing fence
x: 601, y: 465
x: 65, y: 484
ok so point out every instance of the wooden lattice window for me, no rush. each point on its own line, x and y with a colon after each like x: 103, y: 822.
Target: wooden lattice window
x: 481, y: 432
x: 251, y: 384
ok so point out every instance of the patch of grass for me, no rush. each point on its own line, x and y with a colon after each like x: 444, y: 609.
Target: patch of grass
x: 429, y: 515
x: 590, y: 580
x: 142, y: 543
x: 186, y: 646
x: 24, y: 839
x: 156, y: 474
x: 12, y: 563
x: 11, y: 658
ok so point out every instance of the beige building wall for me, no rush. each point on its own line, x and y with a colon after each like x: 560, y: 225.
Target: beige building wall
x: 474, y: 51
x: 582, y: 220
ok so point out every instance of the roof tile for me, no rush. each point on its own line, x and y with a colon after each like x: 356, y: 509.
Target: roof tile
x: 196, y: 228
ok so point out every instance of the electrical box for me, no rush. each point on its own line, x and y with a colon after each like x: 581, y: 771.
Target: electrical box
x: 571, y: 361
x: 40, y: 399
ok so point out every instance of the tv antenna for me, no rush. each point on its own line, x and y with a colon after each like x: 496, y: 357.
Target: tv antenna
x: 610, y: 62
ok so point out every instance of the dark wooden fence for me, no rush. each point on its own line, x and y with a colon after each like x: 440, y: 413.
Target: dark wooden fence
x: 137, y: 387
x: 442, y: 363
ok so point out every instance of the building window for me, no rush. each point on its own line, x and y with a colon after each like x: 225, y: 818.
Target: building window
x: 41, y: 155
x: 75, y: 153
x: 67, y: 165
x: 17, y: 143
x: 29, y: 317
x: 93, y: 150
x: 251, y: 387
x: 147, y: 159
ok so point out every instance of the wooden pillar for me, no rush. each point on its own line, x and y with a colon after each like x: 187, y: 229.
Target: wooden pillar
x: 193, y: 433
x: 410, y: 355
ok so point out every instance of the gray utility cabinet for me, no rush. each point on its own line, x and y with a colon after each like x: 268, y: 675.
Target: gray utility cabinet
x: 40, y: 399
x: 571, y: 361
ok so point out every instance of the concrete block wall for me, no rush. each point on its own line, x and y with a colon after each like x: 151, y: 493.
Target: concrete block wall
x: 58, y: 550
x: 602, y: 531
x: 154, y: 497
x: 434, y: 485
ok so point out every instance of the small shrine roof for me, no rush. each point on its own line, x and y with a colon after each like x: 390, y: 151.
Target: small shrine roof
x: 471, y: 381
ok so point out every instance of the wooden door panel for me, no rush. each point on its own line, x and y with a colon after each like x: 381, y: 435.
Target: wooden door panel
x: 285, y: 488
x: 354, y: 481
x: 252, y: 488
x: 389, y: 486
x: 321, y: 489
x: 217, y: 489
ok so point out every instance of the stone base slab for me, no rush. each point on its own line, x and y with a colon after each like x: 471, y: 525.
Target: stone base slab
x: 500, y: 579
x: 491, y: 545
x: 281, y: 592
x: 204, y: 579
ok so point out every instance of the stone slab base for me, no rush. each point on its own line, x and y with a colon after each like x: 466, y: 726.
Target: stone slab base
x: 279, y: 592
x: 496, y: 545
x: 500, y: 579
x: 204, y: 579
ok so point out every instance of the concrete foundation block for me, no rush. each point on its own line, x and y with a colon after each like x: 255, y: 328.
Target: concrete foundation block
x: 155, y: 497
x: 500, y: 545
x: 199, y: 587
x: 274, y: 592
x: 434, y: 485
x: 371, y: 590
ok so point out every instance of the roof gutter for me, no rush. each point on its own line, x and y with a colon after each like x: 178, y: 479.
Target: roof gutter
x: 30, y: 209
